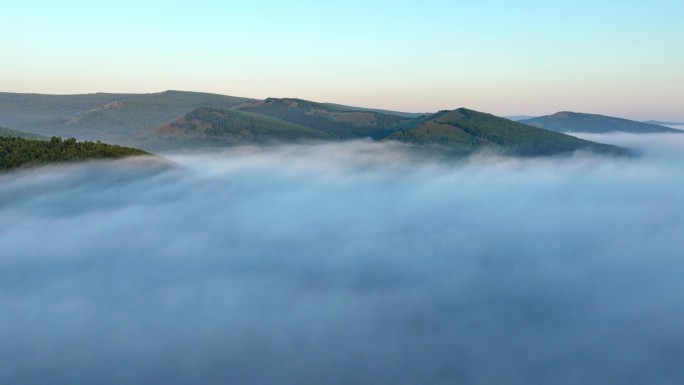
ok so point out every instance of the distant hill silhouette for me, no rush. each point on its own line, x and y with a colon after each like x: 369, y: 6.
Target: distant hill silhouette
x: 579, y: 122
x: 661, y: 123
x: 517, y: 118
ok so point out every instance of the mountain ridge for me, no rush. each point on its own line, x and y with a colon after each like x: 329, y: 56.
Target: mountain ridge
x: 568, y: 121
x: 18, y: 152
x: 101, y: 116
x: 180, y: 119
x: 661, y: 123
x: 341, y: 122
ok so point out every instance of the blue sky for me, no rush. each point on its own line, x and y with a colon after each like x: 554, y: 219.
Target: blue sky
x: 621, y: 58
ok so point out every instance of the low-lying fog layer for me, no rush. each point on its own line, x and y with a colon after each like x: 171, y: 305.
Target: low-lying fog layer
x: 346, y: 264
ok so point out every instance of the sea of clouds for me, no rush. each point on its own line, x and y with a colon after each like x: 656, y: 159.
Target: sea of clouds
x: 349, y: 263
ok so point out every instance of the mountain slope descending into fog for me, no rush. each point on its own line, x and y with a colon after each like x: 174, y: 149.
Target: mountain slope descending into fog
x: 207, y: 127
x: 102, y: 116
x: 341, y: 122
x: 578, y: 122
x: 19, y: 152
x: 10, y: 133
x: 465, y: 131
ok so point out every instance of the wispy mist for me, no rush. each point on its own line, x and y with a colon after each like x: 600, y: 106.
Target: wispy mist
x: 346, y: 264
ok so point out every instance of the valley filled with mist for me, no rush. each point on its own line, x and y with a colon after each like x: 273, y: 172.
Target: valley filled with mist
x: 342, y: 193
x: 346, y: 262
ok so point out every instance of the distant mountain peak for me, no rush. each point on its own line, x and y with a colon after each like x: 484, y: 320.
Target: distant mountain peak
x: 460, y: 113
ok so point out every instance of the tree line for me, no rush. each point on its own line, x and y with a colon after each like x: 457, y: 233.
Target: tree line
x: 20, y: 152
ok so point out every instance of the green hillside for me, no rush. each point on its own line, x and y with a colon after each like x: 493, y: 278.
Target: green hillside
x: 102, y: 116
x: 578, y: 122
x: 463, y: 131
x: 661, y: 123
x: 8, y: 132
x: 20, y: 152
x: 341, y: 122
x: 209, y: 126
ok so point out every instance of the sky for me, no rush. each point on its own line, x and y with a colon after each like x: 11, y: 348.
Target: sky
x: 621, y: 58
x: 346, y: 263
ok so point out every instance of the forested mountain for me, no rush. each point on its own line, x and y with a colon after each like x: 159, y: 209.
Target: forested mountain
x: 210, y: 126
x: 20, y: 152
x: 465, y: 131
x: 578, y: 122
